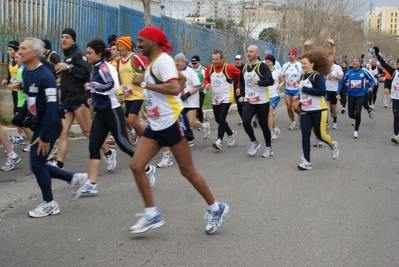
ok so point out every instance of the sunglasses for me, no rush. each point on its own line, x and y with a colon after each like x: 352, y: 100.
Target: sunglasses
x: 291, y: 54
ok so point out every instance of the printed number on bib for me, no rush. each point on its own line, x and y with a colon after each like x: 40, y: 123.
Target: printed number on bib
x: 396, y: 87
x: 291, y: 84
x: 127, y: 90
x: 252, y: 97
x: 31, y: 102
x: 306, y: 100
x: 218, y: 99
x: 356, y: 84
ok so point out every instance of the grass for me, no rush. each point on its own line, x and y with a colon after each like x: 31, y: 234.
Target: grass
x: 208, y: 101
x: 5, y: 121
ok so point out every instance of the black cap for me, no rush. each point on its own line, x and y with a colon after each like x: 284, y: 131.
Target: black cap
x: 70, y: 32
x: 14, y: 45
x: 47, y: 44
x: 195, y: 58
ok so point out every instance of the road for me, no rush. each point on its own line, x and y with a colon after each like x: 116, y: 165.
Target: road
x: 343, y: 212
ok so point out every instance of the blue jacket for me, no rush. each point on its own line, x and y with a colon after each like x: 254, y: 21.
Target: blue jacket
x: 356, y: 80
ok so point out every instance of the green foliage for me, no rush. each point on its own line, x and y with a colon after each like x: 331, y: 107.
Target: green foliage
x: 228, y: 26
x: 4, y: 120
x: 269, y: 35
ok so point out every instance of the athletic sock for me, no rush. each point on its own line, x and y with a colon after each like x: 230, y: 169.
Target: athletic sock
x: 60, y: 164
x: 214, y: 207
x: 109, y: 153
x: 335, y: 119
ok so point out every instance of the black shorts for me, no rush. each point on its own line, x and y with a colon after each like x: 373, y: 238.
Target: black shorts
x: 173, y: 134
x: 71, y: 108
x: 332, y: 97
x: 133, y: 107
x: 186, y: 110
x: 387, y: 84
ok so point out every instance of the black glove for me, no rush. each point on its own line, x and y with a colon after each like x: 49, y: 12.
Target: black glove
x: 376, y: 50
x: 362, y: 56
x: 185, y: 96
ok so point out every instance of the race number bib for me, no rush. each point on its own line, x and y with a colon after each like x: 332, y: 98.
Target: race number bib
x: 127, y: 90
x: 218, y: 99
x: 292, y: 84
x: 396, y: 87
x: 306, y: 100
x: 252, y: 97
x: 356, y: 84
x: 31, y: 103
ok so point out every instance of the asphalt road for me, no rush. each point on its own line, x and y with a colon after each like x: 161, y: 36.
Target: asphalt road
x: 343, y: 212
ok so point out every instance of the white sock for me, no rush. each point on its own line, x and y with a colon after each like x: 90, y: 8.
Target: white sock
x: 214, y: 207
x: 51, y: 203
x: 132, y: 132
x: 12, y: 155
x: 166, y: 153
x: 151, y: 212
x: 19, y: 135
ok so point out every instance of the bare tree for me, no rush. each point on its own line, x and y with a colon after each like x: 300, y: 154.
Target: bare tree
x: 387, y: 43
x: 147, y: 12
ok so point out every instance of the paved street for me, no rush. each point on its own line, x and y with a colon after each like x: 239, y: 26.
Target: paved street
x: 343, y: 212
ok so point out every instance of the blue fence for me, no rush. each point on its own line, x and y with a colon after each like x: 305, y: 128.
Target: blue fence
x: 47, y: 19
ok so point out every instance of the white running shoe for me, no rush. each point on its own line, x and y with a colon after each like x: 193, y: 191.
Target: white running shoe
x: 305, y: 165
x: 231, y: 140
x: 166, y: 161
x: 218, y: 144
x: 395, y: 139
x: 253, y: 148
x: 111, y: 160
x: 268, y: 152
x: 293, y: 126
x: 45, y: 209
x: 355, y: 134
x: 11, y: 163
x: 335, y: 126
x: 146, y: 223
x: 206, y: 130
x: 151, y: 174
x: 191, y: 143
x: 335, y: 151
x: 371, y: 115
x: 27, y: 148
x: 89, y: 188
x: 77, y: 183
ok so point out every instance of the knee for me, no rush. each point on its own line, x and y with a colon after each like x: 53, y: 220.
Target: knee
x: 136, y: 166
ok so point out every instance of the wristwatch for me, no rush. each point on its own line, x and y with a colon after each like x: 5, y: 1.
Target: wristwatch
x: 143, y: 85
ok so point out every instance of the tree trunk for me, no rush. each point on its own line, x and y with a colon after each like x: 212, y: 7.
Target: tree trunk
x: 147, y: 12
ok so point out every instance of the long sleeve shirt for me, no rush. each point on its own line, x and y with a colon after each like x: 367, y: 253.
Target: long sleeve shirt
x: 356, y: 80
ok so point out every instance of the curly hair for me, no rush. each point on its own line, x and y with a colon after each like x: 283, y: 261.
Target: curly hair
x: 320, y: 58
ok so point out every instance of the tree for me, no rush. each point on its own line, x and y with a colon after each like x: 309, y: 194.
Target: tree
x: 387, y: 43
x: 269, y: 35
x: 147, y: 12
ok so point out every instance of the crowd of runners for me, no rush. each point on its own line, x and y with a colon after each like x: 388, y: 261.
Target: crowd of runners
x: 149, y: 101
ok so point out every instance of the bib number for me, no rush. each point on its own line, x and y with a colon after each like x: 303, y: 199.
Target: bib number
x: 306, y: 100
x: 252, y: 97
x: 127, y: 90
x: 31, y: 102
x: 218, y: 99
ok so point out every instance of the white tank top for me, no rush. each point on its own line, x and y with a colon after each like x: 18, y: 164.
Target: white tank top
x: 222, y: 90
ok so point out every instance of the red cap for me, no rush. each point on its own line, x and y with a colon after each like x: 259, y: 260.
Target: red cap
x: 157, y: 35
x: 293, y: 51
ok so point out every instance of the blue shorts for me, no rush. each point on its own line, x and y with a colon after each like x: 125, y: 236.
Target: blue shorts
x: 173, y: 134
x: 274, y: 101
x: 291, y: 92
x: 71, y: 108
x: 133, y: 107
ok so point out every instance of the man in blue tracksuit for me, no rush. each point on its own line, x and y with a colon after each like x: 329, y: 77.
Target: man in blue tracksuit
x: 41, y: 109
x: 359, y: 82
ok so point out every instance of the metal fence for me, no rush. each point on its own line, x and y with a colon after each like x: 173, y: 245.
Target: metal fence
x: 90, y: 20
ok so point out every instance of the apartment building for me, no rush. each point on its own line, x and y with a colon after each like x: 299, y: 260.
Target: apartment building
x: 384, y: 20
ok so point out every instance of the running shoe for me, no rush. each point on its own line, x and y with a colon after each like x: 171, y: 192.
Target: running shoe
x: 27, y: 148
x: 353, y: 123
x: 395, y: 139
x: 372, y: 107
x: 355, y: 134
x: 19, y: 140
x: 111, y: 160
x: 11, y: 162
x: 342, y: 110
x: 255, y: 123
x: 316, y: 142
x: 215, y: 218
x: 54, y: 163
x: 253, y: 148
x: 293, y: 126
x: 89, y: 188
x: 268, y: 152
x: 110, y: 141
x: 133, y: 139
x: 335, y: 125
x: 206, y: 130
x: 371, y: 115
x: 77, y: 183
x: 45, y: 209
x: 151, y: 174
x: 385, y: 104
x: 276, y: 133
x: 231, y: 141
x: 327, y: 126
x: 146, y: 223
x: 191, y: 143
x: 335, y: 151
x: 166, y: 161
x: 52, y: 154
x: 240, y: 123
x: 305, y: 165
x: 218, y: 144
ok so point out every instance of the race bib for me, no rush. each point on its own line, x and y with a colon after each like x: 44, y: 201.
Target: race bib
x: 31, y: 102
x: 396, y: 87
x: 292, y: 84
x: 252, y: 97
x: 306, y: 100
x: 127, y: 90
x: 356, y: 84
x: 218, y: 99
x: 153, y: 113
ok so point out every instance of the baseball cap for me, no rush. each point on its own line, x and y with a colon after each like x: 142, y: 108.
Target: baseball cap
x: 195, y: 58
x: 238, y: 57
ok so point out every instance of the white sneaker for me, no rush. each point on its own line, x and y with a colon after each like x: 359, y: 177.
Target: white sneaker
x: 111, y: 160
x: 218, y: 144
x: 268, y: 152
x: 145, y: 223
x: 11, y: 163
x: 275, y: 133
x: 27, y: 148
x: 371, y: 115
x: 395, y: 139
x: 293, y: 126
x: 253, y: 148
x: 206, y: 130
x: 52, y: 154
x: 335, y: 126
x: 372, y: 107
x: 134, y: 139
x: 45, y: 209
x: 89, y: 188
x: 356, y: 134
x: 166, y: 161
x: 305, y: 165
x: 151, y: 174
x: 335, y: 151
x: 77, y: 183
x: 385, y: 104
x: 231, y: 140
x: 191, y: 143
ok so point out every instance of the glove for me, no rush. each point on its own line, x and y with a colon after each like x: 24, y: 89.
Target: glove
x: 185, y: 96
x: 376, y: 50
x: 362, y: 56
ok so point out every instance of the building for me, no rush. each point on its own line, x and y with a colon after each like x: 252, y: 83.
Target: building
x: 384, y: 20
x: 201, y: 21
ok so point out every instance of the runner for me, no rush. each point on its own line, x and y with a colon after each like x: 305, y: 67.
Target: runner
x: 274, y: 91
x: 394, y: 93
x: 374, y: 71
x: 168, y: 127
x: 200, y: 70
x: 109, y: 116
x: 356, y: 79
x: 237, y: 91
x: 39, y: 85
x: 345, y: 68
x: 292, y: 70
x: 388, y: 83
x: 277, y: 65
x: 332, y: 82
x: 255, y: 78
x: 316, y: 64
x: 219, y: 78
x: 75, y: 72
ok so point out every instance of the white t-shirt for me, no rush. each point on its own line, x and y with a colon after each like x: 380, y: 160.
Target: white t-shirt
x: 273, y: 89
x: 332, y: 83
x: 192, y: 80
x: 292, y: 72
